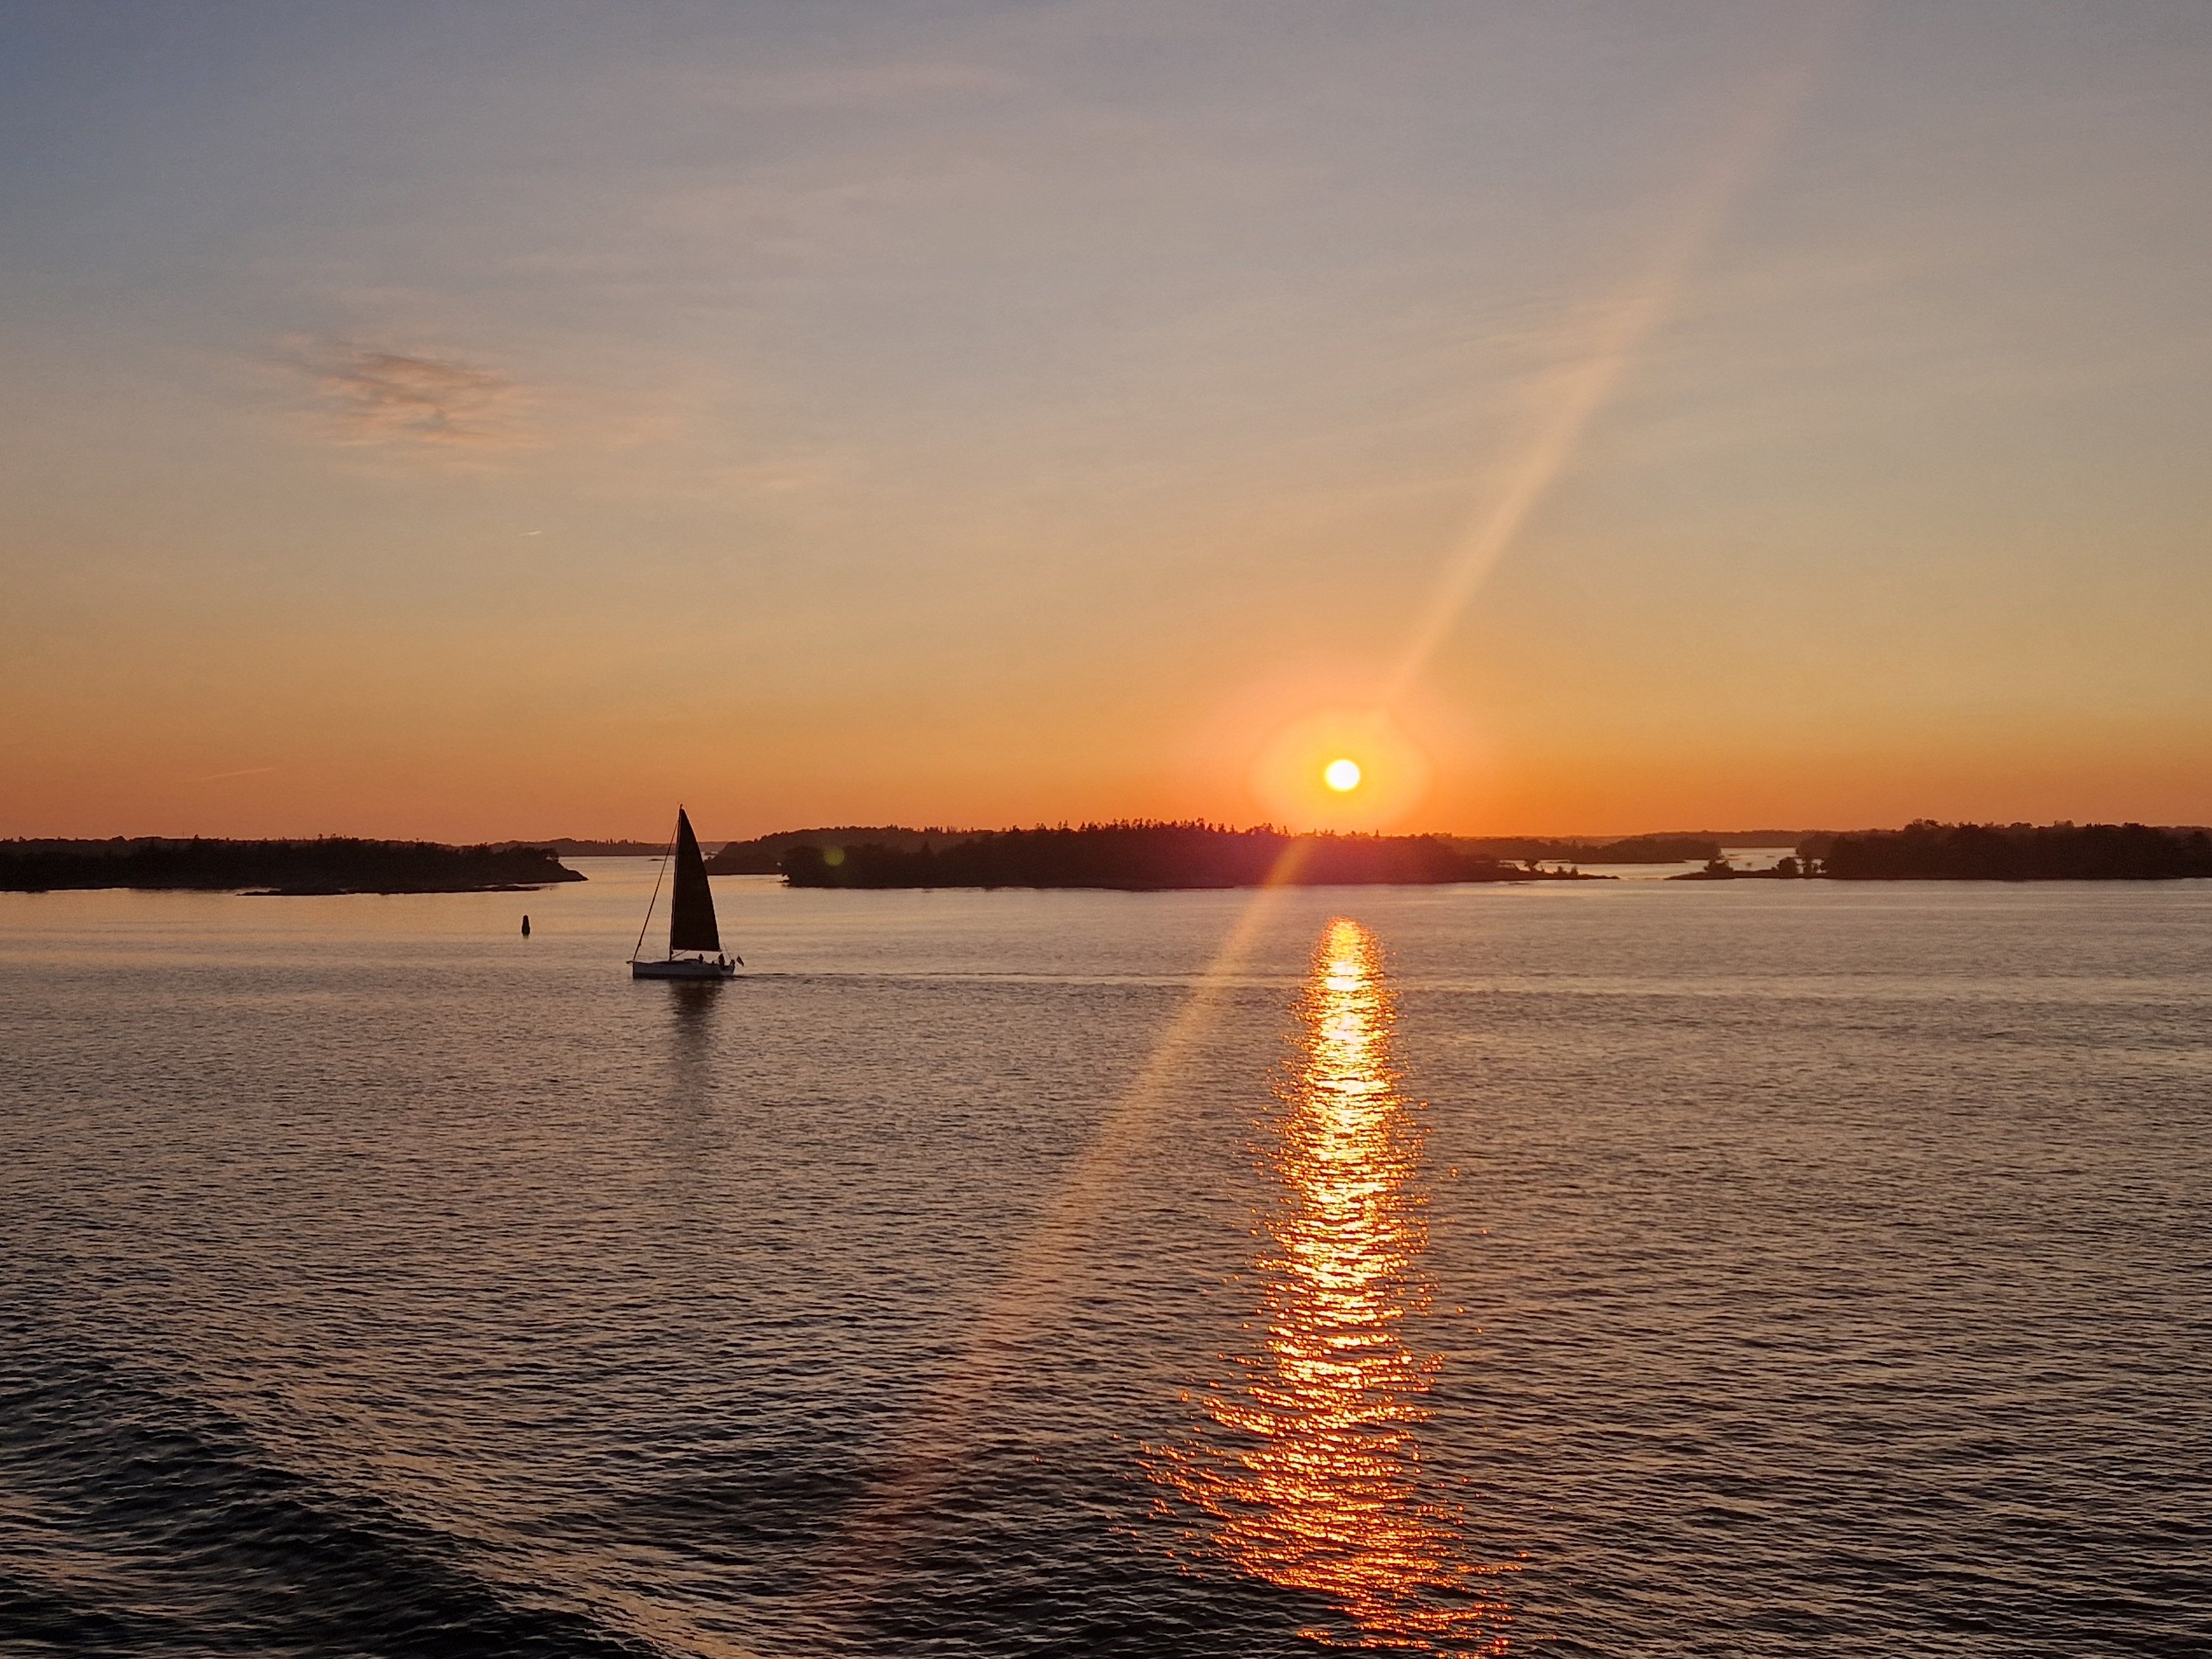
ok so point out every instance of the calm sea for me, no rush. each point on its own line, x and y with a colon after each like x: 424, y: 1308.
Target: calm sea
x: 1631, y: 1268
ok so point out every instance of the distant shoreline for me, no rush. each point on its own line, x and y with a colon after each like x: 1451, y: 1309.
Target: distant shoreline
x: 763, y: 856
x: 332, y: 865
x: 1137, y: 857
x: 1155, y: 858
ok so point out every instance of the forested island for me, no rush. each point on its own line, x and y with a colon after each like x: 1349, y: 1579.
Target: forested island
x: 1147, y: 857
x: 330, y: 863
x: 764, y: 854
x: 569, y: 847
x: 1928, y: 851
x: 1719, y: 869
x: 1574, y: 849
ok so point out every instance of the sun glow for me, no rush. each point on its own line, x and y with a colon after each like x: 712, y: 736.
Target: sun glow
x: 1345, y: 769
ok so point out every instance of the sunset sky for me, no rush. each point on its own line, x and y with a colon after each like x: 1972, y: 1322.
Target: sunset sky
x: 497, y: 420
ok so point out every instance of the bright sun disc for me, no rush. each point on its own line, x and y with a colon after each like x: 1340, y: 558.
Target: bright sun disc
x: 1342, y: 776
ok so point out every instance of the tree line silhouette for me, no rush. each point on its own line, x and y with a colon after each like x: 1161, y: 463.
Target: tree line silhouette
x: 763, y: 854
x: 330, y: 863
x: 1145, y: 855
x: 1928, y: 851
x: 1573, y: 850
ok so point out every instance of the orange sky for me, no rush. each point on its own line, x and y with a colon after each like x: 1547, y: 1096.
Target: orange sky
x: 1748, y: 415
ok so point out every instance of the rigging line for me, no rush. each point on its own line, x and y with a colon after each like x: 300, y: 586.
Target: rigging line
x: 655, y: 899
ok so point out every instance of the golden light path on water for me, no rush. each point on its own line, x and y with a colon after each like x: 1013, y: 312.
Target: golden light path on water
x: 1309, y: 1475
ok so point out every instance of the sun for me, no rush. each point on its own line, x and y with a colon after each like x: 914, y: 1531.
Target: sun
x: 1349, y: 769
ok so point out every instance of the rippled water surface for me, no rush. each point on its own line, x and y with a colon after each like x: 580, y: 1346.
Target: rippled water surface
x: 1772, y: 1269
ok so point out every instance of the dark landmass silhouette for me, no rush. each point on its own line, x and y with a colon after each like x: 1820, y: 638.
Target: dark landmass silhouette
x: 763, y: 856
x: 1129, y: 855
x: 1719, y: 869
x: 1928, y: 851
x: 1751, y: 837
x: 1149, y: 857
x: 1144, y: 855
x: 569, y: 847
x: 330, y: 863
x: 1576, y: 849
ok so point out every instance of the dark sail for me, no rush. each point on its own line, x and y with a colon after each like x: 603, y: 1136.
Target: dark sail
x: 691, y: 910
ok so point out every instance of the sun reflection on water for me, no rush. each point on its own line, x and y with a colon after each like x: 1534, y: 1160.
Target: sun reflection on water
x: 1309, y: 1474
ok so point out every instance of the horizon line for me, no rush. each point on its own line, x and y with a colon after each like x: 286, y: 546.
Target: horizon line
x: 1780, y: 836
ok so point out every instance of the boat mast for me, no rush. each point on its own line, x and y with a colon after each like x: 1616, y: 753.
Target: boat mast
x: 655, y: 899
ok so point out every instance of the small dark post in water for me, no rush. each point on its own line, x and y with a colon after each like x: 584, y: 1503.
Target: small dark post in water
x: 525, y: 926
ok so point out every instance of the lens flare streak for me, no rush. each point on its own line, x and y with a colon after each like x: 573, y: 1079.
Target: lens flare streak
x: 1309, y: 1475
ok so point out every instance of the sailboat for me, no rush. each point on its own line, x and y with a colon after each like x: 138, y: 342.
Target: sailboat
x: 691, y: 926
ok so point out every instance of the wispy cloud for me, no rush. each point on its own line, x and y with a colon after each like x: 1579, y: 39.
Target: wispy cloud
x: 785, y: 475
x: 852, y: 88
x: 399, y: 399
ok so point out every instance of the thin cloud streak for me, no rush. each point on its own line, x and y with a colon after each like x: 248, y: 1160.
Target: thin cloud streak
x: 861, y: 87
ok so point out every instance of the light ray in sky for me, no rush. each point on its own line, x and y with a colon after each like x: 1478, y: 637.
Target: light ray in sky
x: 1617, y: 332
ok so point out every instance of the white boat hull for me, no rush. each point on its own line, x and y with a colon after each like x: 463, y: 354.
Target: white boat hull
x: 683, y: 968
